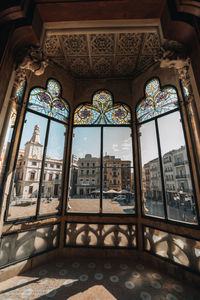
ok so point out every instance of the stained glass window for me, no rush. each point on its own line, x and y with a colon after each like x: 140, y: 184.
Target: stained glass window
x: 157, y: 101
x: 102, y: 111
x: 37, y: 178
x: 20, y: 91
x: 167, y: 190
x: 102, y: 165
x: 49, y: 102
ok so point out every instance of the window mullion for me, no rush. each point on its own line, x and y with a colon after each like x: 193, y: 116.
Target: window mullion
x: 101, y: 171
x: 161, y: 168
x: 42, y: 168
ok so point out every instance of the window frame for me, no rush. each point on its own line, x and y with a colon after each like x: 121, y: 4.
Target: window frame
x: 37, y: 216
x: 154, y: 119
x: 101, y: 126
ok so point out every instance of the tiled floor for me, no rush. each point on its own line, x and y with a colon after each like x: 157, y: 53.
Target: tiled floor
x: 109, y: 279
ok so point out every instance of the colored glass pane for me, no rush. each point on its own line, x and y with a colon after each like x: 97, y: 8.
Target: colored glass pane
x: 20, y: 91
x: 49, y: 102
x: 156, y: 102
x: 185, y: 89
x: 102, y: 111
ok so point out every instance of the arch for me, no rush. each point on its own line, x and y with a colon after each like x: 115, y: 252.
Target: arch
x: 103, y: 164
x: 102, y: 111
x: 167, y: 187
x: 157, y: 101
x: 49, y: 101
x: 41, y: 149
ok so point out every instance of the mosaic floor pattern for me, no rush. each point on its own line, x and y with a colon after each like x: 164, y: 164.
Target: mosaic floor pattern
x: 95, y: 280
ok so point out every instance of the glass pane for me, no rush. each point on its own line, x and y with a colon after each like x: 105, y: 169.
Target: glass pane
x: 117, y: 146
x: 48, y: 101
x: 24, y: 192
x: 157, y: 101
x: 4, y: 149
x: 178, y: 183
x: 150, y: 173
x: 118, y: 190
x: 102, y: 111
x: 86, y: 141
x: 84, y: 184
x: 52, y: 177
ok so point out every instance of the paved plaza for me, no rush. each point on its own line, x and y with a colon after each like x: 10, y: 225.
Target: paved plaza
x: 83, y: 205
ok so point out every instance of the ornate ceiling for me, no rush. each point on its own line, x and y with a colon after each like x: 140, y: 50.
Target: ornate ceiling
x: 103, y: 54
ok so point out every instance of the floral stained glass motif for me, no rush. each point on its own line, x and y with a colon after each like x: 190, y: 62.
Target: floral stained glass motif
x: 102, y: 111
x: 49, y: 102
x: 157, y: 101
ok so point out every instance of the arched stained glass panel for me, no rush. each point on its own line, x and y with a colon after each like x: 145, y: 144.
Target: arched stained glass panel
x: 157, y: 101
x: 37, y: 178
x: 166, y: 183
x: 102, y: 111
x: 48, y: 101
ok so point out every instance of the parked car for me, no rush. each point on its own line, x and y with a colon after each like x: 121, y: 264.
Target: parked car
x: 120, y: 198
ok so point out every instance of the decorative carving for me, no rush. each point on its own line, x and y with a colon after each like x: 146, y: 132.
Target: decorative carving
x: 129, y: 43
x: 102, y: 66
x: 101, y: 235
x: 75, y: 44
x: 125, y: 64
x: 144, y: 63
x: 34, y: 60
x: 19, y: 246
x: 151, y: 46
x: 20, y: 77
x: 102, y: 43
x: 52, y: 46
x: 178, y: 249
x: 104, y: 54
x: 173, y: 55
x: 79, y: 66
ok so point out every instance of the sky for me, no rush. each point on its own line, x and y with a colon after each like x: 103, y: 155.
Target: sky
x: 56, y: 134
x: 171, y: 136
x: 116, y: 142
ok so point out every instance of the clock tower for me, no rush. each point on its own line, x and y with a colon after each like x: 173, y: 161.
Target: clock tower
x: 33, y: 148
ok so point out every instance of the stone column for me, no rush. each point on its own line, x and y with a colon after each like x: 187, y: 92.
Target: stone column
x: 193, y: 119
x: 177, y: 60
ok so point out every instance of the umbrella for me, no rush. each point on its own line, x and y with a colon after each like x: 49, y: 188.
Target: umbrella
x: 95, y: 192
x: 124, y: 192
x: 111, y: 192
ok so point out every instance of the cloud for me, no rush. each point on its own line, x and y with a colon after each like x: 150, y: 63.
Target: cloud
x: 115, y: 147
x: 85, y: 138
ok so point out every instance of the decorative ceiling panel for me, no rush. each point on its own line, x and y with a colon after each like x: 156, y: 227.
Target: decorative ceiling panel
x: 52, y: 46
x: 97, y: 55
x: 102, y: 65
x: 129, y: 43
x: 125, y: 65
x: 75, y: 44
x: 79, y: 66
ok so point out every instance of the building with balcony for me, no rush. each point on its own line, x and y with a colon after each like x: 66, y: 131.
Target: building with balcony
x: 28, y: 171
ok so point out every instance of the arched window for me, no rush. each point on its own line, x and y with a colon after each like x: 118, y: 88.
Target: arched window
x: 8, y: 133
x: 166, y: 185
x: 36, y: 187
x: 102, y: 169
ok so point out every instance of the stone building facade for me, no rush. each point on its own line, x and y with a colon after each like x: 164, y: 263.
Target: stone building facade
x: 28, y: 170
x: 116, y: 175
x: 176, y: 175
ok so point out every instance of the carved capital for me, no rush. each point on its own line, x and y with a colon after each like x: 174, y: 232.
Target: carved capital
x: 34, y: 60
x: 173, y: 55
x: 20, y: 76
